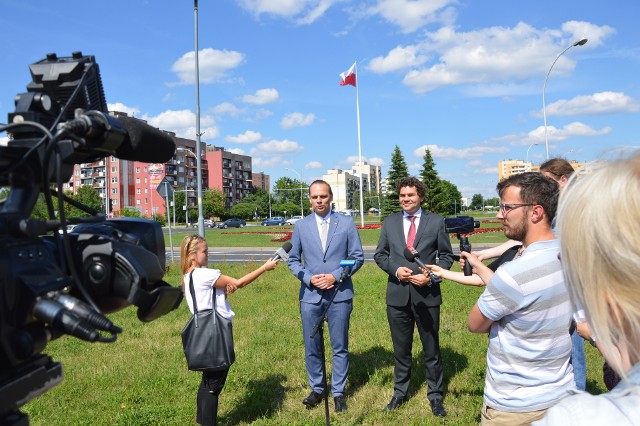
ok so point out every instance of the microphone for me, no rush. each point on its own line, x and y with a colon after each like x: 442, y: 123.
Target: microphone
x: 412, y: 255
x: 346, y: 266
x: 125, y: 137
x: 282, y: 252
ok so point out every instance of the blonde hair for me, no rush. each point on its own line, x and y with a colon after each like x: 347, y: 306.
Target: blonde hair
x: 599, y: 221
x: 188, y: 247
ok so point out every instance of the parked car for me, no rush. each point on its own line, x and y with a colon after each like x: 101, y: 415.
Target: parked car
x: 208, y: 223
x: 273, y: 221
x: 292, y: 220
x: 234, y: 222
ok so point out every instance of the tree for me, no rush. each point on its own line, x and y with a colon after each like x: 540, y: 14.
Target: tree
x: 243, y: 210
x: 260, y: 200
x: 431, y: 181
x: 397, y: 171
x: 477, y: 201
x: 212, y: 204
x: 448, y: 199
x: 287, y: 193
x: 129, y: 212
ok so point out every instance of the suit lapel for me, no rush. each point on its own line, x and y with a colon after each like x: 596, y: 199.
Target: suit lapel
x: 333, y: 225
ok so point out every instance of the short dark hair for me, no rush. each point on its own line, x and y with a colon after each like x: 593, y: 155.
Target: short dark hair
x: 558, y: 167
x: 411, y: 181
x: 320, y: 182
x: 535, y: 188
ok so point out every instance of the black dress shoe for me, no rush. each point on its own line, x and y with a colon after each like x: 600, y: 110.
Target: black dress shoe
x: 340, y: 403
x: 394, y: 403
x: 313, y: 399
x: 437, y: 408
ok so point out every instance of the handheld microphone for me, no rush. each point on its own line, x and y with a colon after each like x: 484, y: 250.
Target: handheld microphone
x: 282, y: 252
x: 346, y: 266
x: 412, y: 255
x: 465, y: 245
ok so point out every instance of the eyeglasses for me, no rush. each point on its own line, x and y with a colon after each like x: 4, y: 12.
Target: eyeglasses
x: 506, y: 208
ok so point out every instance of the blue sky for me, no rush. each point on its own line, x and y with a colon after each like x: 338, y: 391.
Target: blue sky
x: 463, y: 78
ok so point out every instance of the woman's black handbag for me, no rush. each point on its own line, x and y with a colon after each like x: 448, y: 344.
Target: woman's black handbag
x: 207, y: 338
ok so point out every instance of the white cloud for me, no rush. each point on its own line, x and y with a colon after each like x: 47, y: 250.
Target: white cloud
x: 297, y: 119
x: 496, y: 55
x: 398, y: 58
x: 262, y: 163
x: 376, y: 161
x: 598, y: 103
x: 237, y: 151
x: 227, y: 108
x: 313, y: 165
x: 118, y: 106
x: 182, y: 123
x: 410, y: 15
x: 260, y: 115
x: 302, y: 12
x: 245, y: 138
x: 213, y: 65
x: 277, y: 147
x: 261, y: 97
x: 571, y: 130
x: 457, y: 153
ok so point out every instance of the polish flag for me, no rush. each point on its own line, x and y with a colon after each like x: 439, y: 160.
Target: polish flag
x: 349, y: 77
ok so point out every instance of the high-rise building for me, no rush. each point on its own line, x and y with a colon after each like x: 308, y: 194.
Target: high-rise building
x: 343, y: 185
x: 229, y: 172
x: 370, y: 174
x: 507, y: 168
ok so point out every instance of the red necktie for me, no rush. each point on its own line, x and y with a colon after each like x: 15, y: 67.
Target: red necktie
x: 411, y: 236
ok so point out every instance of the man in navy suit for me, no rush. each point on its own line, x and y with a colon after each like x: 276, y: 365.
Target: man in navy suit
x: 411, y: 297
x: 319, y: 242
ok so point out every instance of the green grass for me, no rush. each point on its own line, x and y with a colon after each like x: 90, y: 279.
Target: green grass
x: 142, y: 378
x: 263, y: 236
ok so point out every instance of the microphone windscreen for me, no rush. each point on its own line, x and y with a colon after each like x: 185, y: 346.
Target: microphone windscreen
x: 287, y: 246
x: 144, y: 142
x: 409, y: 255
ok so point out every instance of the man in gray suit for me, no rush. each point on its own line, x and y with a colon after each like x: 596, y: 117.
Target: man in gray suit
x: 411, y: 297
x: 318, y: 244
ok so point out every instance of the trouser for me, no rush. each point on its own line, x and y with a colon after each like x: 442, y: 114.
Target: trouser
x: 492, y: 417
x: 207, y: 400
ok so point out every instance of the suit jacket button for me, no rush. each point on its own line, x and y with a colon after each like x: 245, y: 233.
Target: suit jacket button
x: 324, y: 261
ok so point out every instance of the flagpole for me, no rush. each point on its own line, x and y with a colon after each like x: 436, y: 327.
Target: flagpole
x: 359, y: 145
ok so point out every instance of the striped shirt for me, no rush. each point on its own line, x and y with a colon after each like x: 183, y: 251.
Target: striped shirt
x: 528, y: 366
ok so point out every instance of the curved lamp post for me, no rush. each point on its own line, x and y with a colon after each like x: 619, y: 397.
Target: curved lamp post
x: 300, y: 176
x: 580, y: 42
x: 527, y: 158
x: 199, y: 187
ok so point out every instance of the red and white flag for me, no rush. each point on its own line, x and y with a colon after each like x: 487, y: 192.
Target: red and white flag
x: 349, y: 77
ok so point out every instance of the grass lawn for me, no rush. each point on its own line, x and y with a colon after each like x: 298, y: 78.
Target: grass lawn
x: 142, y: 378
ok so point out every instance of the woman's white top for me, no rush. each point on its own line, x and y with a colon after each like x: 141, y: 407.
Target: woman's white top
x: 203, y: 281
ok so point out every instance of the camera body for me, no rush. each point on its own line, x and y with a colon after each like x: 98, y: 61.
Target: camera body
x: 54, y: 282
x: 462, y: 225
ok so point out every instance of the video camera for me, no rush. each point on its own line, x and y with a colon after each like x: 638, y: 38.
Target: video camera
x: 462, y: 225
x: 54, y: 282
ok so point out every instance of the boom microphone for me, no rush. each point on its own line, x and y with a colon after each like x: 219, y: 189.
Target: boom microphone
x: 412, y: 255
x: 282, y: 252
x: 125, y: 137
x: 347, y: 265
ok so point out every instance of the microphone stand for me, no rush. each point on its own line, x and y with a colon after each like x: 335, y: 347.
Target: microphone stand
x: 320, y: 328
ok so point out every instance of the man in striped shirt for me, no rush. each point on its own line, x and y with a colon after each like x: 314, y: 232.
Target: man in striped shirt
x: 526, y: 310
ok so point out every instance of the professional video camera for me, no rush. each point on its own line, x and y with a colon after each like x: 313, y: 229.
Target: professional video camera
x: 462, y: 225
x: 53, y: 282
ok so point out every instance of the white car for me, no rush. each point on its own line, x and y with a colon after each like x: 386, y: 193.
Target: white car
x: 293, y: 220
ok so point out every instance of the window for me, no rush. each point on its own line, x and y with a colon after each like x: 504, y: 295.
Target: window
x: 137, y: 180
x: 138, y: 191
x: 146, y: 201
x: 114, y: 190
x: 145, y: 180
x: 146, y: 190
x: 137, y: 169
x: 114, y: 169
x: 114, y: 180
x: 138, y: 202
x: 145, y: 169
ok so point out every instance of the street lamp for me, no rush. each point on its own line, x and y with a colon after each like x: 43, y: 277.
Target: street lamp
x: 301, y: 188
x: 580, y: 42
x: 199, y: 186
x: 198, y: 134
x: 527, y: 158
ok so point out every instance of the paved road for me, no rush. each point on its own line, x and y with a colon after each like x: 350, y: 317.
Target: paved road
x: 261, y: 254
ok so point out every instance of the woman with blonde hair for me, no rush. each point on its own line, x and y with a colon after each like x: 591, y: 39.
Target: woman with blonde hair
x: 599, y: 218
x: 193, y: 264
